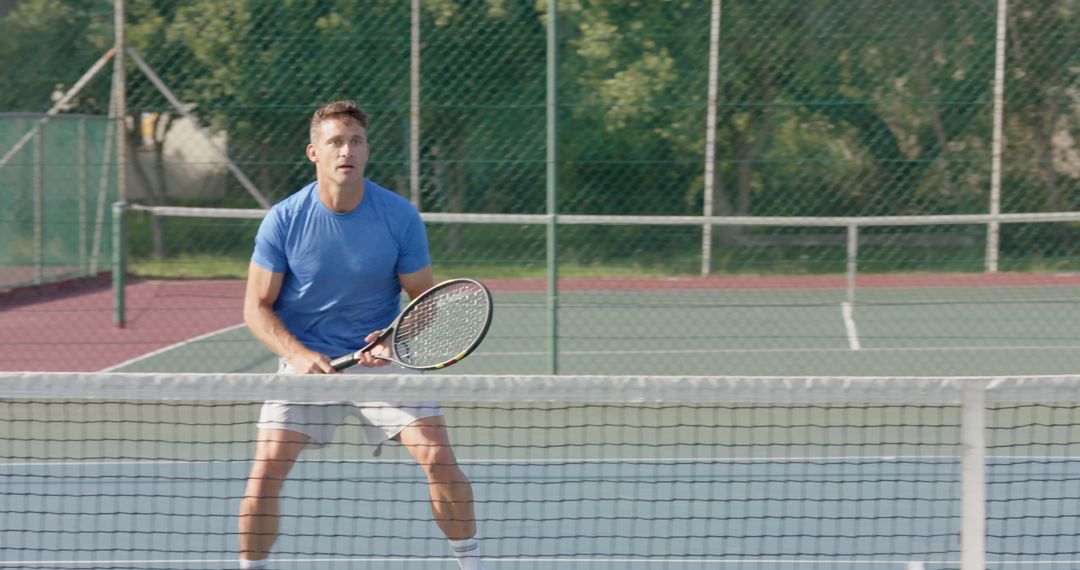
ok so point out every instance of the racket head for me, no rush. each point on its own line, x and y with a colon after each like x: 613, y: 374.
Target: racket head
x: 442, y: 325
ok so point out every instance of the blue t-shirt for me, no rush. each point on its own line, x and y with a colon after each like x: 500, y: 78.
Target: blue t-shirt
x: 341, y: 269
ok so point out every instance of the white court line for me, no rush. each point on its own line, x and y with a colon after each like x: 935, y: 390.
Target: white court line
x: 852, y: 336
x: 443, y: 561
x: 165, y: 349
x: 848, y: 311
x: 413, y: 562
x: 869, y: 459
x: 519, y: 353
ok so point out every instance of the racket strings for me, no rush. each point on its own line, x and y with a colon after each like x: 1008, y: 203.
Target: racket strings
x: 443, y: 326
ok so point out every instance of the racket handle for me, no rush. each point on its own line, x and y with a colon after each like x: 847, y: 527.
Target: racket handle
x: 344, y: 362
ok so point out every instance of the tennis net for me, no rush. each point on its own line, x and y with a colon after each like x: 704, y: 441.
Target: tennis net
x: 112, y: 470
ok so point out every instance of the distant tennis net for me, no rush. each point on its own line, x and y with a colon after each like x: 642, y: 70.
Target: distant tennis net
x: 146, y: 471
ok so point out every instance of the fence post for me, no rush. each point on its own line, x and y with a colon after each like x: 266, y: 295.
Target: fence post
x: 993, y: 229
x: 710, y: 138
x: 119, y: 89
x: 39, y: 207
x: 118, y: 266
x: 552, y: 188
x: 852, y: 262
x: 84, y: 210
x: 414, y: 104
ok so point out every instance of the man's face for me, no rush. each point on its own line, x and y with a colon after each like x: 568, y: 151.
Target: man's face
x: 340, y: 152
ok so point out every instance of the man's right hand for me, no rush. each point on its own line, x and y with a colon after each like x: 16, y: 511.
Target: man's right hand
x: 311, y: 363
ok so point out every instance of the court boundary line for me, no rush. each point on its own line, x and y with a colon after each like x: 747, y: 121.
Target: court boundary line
x: 869, y: 459
x: 847, y: 310
x: 170, y: 347
x: 769, y: 350
x: 909, y: 564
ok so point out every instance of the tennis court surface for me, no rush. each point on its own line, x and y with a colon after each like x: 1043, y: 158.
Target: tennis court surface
x: 898, y: 325
x: 737, y: 423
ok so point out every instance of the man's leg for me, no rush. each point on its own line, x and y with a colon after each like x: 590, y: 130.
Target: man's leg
x: 276, y: 451
x: 451, y: 493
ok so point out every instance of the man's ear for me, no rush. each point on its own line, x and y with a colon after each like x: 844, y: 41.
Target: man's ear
x: 311, y: 153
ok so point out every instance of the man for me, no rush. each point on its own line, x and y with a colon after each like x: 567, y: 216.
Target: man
x: 329, y: 261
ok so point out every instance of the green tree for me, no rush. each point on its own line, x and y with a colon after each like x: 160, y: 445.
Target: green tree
x: 46, y: 45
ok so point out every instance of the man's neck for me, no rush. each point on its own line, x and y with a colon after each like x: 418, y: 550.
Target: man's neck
x: 341, y: 199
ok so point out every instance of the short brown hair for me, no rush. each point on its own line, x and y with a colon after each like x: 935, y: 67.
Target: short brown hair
x: 337, y: 110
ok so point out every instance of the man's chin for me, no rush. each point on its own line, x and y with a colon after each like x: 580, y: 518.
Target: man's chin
x: 346, y: 177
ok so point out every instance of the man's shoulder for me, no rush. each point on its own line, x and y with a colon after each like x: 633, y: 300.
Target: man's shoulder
x: 293, y: 203
x: 388, y: 198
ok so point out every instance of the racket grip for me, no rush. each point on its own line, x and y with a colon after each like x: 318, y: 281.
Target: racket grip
x: 343, y: 362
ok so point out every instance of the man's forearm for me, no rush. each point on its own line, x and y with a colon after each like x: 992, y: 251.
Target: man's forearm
x: 271, y: 331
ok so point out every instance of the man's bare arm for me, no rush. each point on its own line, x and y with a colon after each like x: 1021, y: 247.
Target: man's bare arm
x: 263, y: 288
x: 416, y: 283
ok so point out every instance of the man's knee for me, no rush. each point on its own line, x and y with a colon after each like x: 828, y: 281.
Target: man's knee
x: 441, y: 466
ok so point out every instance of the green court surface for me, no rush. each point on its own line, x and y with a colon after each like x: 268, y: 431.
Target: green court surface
x: 949, y: 331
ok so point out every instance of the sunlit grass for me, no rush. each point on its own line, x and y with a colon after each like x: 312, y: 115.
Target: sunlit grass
x: 202, y: 266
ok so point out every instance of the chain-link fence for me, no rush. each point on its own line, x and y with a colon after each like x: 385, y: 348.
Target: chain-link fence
x: 55, y: 202
x: 822, y: 108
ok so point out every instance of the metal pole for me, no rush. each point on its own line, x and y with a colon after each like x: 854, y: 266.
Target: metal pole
x: 973, y: 477
x: 39, y: 208
x: 119, y: 92
x: 103, y: 193
x: 852, y: 263
x: 710, y: 137
x: 552, y: 187
x: 75, y: 89
x: 119, y: 87
x: 84, y: 211
x: 183, y: 110
x: 993, y: 236
x: 414, y: 106
x: 118, y: 264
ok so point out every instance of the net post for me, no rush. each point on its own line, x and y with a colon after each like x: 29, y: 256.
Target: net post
x: 852, y: 262
x: 119, y: 210
x: 973, y: 477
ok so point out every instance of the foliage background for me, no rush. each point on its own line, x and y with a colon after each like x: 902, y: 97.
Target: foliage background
x: 826, y: 107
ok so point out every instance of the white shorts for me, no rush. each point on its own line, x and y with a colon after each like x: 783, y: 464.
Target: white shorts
x: 319, y: 420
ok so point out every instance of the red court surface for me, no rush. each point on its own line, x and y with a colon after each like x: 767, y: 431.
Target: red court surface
x: 72, y: 328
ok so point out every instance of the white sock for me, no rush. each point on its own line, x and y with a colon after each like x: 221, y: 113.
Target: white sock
x: 246, y: 564
x: 467, y: 553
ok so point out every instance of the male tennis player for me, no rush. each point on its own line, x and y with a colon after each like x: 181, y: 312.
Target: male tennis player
x: 330, y: 262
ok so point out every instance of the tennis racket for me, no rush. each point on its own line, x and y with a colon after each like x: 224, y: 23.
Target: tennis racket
x: 438, y: 328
